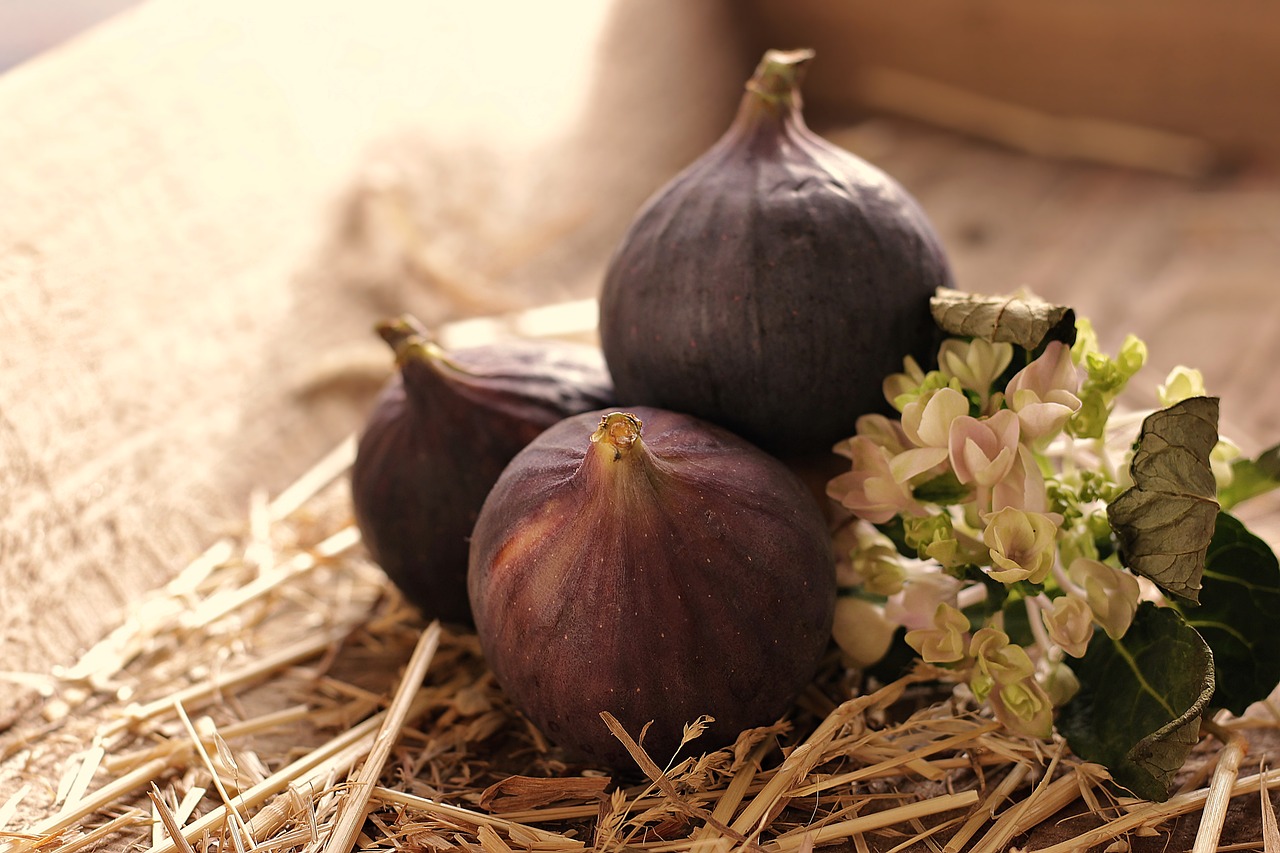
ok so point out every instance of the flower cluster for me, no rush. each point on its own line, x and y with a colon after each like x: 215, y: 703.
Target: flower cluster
x: 978, y: 517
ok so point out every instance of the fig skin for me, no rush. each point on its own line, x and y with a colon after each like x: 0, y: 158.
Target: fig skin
x: 681, y: 573
x: 437, y: 439
x: 774, y: 283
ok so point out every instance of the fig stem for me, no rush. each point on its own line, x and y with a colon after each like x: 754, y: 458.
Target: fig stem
x: 777, y: 78
x: 409, y: 339
x: 618, y: 432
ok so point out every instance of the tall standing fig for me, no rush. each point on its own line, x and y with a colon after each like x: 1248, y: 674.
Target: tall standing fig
x: 654, y: 566
x: 438, y: 438
x: 772, y: 285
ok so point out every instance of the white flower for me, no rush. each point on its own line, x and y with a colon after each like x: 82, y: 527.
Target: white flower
x: 870, y: 490
x: 1022, y: 545
x: 922, y: 592
x: 1069, y: 621
x: 1112, y: 594
x: 926, y: 422
x: 945, y: 641
x: 975, y: 364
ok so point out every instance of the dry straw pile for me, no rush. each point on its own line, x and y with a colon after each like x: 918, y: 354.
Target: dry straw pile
x: 278, y: 696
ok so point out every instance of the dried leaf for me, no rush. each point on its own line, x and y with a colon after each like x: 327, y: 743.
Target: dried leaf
x: 1022, y: 319
x: 1165, y: 521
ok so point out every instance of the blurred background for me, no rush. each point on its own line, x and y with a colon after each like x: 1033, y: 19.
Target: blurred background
x: 204, y: 207
x: 28, y: 27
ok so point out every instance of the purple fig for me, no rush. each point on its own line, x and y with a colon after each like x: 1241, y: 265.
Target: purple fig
x: 774, y: 283
x: 439, y: 435
x: 658, y: 577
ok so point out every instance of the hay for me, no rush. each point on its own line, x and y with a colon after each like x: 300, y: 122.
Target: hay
x: 278, y: 695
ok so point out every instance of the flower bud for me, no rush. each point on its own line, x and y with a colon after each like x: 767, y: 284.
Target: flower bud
x: 861, y: 631
x: 1132, y: 356
x: 933, y: 537
x: 1069, y: 621
x: 900, y: 388
x: 1061, y: 684
x: 1180, y: 384
x: 1224, y: 453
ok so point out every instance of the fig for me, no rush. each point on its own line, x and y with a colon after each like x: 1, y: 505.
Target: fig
x: 657, y: 576
x: 437, y: 438
x: 773, y: 284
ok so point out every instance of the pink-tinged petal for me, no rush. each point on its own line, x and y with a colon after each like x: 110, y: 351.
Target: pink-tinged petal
x: 1052, y: 371
x: 922, y: 592
x: 1023, y: 487
x: 911, y: 463
x: 886, y: 432
x: 869, y: 489
x: 1040, y: 421
x: 927, y: 421
x: 983, y: 450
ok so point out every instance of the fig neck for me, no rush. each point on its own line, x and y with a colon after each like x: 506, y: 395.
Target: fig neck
x: 620, y: 464
x: 428, y: 369
x: 773, y: 92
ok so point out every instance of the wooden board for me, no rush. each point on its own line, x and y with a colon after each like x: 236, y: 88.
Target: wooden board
x: 1175, y: 65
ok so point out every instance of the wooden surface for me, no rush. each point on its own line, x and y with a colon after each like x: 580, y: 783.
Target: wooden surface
x: 1178, y: 65
x: 193, y: 231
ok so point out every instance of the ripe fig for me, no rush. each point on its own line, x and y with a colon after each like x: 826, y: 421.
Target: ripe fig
x: 656, y: 577
x: 772, y: 284
x: 439, y: 435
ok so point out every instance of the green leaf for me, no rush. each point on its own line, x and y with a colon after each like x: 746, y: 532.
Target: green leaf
x: 1165, y: 521
x: 1023, y: 320
x: 1141, y: 700
x: 1239, y: 615
x: 1252, y: 477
